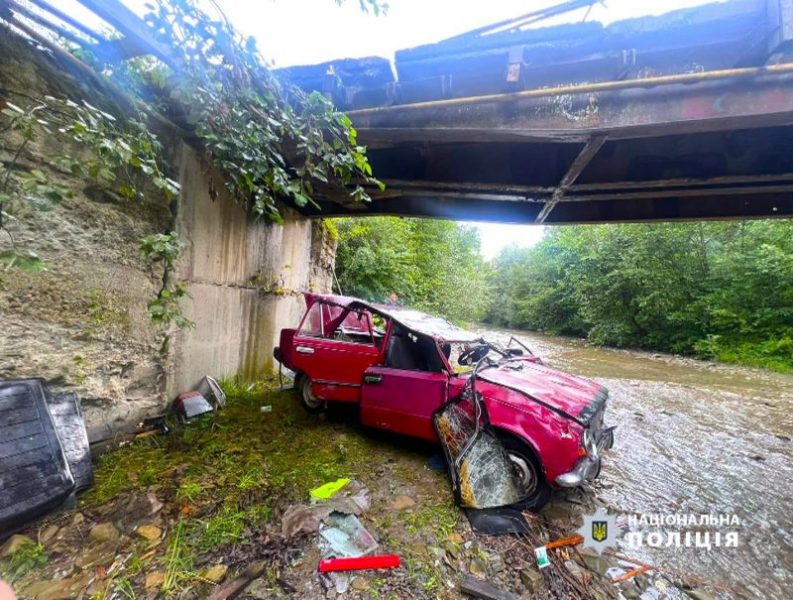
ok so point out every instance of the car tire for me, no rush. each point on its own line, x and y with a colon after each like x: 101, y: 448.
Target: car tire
x: 310, y: 402
x: 529, y: 470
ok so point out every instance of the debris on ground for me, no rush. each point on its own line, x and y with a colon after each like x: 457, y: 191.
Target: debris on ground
x: 502, y: 520
x: 220, y: 510
x: 379, y: 561
x: 44, y: 453
x: 328, y: 490
x: 343, y: 536
x: 216, y: 391
x: 189, y: 405
x: 481, y: 589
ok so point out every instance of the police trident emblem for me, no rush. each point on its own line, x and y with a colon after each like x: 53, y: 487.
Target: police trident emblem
x: 599, y: 531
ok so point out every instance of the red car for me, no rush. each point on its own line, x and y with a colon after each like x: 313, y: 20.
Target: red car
x: 401, y: 366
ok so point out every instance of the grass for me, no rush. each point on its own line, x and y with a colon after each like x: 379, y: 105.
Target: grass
x: 26, y: 558
x: 228, y: 474
x: 229, y: 467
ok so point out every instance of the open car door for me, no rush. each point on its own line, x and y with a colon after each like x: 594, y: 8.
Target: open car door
x: 333, y: 346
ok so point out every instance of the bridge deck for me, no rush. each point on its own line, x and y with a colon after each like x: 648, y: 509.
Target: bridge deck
x: 684, y: 116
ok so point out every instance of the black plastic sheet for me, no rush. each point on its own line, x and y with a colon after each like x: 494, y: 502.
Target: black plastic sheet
x: 34, y: 473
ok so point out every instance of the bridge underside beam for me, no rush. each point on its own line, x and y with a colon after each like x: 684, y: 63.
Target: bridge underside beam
x: 576, y: 117
x: 756, y: 205
x: 700, y: 151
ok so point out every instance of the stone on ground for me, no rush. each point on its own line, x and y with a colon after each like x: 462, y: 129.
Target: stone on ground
x: 215, y: 573
x: 149, y: 532
x: 57, y: 589
x: 402, y: 502
x: 531, y: 579
x: 14, y: 543
x: 155, y: 579
x: 49, y: 533
x: 104, y: 532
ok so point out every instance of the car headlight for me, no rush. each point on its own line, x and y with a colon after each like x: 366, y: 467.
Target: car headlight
x: 588, y: 441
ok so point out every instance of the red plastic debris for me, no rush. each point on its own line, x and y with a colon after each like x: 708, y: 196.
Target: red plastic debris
x: 380, y: 561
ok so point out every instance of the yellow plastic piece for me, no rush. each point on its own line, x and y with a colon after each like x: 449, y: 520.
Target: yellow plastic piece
x: 328, y: 490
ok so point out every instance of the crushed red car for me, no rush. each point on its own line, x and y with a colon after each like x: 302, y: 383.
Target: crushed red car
x: 404, y: 368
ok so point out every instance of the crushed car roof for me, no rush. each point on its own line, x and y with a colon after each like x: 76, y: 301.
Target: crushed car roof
x: 417, y: 321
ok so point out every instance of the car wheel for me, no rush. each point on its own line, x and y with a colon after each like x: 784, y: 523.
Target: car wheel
x: 529, y: 474
x: 307, y: 398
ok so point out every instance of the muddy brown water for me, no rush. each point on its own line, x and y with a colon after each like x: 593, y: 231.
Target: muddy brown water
x: 694, y: 438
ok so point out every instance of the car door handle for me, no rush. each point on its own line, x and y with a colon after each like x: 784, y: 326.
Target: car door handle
x: 372, y: 379
x: 304, y: 350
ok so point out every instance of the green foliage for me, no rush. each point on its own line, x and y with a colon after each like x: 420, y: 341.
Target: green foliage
x: 430, y: 264
x: 27, y: 557
x: 718, y: 290
x: 118, y: 153
x: 164, y: 249
x: 273, y: 142
x: 370, y: 6
x: 166, y: 307
x: 114, y: 156
x: 24, y: 260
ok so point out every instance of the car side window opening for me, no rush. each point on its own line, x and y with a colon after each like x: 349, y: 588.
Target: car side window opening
x: 412, y: 352
x: 313, y: 323
x: 334, y: 322
x: 355, y: 327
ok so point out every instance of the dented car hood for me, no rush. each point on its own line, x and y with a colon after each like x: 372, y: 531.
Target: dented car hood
x: 565, y: 394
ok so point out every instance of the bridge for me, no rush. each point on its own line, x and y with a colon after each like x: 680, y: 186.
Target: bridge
x: 688, y: 115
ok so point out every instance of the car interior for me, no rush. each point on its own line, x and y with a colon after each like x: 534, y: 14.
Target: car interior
x: 413, y: 352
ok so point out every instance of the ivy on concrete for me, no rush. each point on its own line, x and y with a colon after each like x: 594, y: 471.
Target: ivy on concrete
x: 164, y: 249
x: 120, y: 158
x: 273, y: 141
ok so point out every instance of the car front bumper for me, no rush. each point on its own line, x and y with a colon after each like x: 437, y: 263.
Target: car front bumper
x: 587, y: 468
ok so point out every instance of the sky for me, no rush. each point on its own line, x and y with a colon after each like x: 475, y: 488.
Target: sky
x: 294, y: 32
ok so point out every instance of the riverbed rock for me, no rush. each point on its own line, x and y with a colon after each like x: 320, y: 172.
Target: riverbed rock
x: 452, y: 549
x: 154, y: 579
x: 455, y: 538
x: 700, y: 595
x: 151, y: 533
x: 215, y: 573
x: 642, y: 581
x: 574, y: 569
x: 57, y: 589
x: 496, y: 563
x: 531, y: 579
x: 596, y: 563
x: 103, y: 553
x: 402, y: 502
x: 478, y: 567
x: 259, y: 589
x: 104, y: 532
x: 48, y: 534
x: 630, y: 591
x: 14, y: 543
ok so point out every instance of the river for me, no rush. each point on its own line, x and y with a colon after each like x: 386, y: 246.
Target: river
x: 694, y: 437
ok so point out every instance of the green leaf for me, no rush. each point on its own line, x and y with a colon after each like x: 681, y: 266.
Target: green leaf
x: 23, y: 260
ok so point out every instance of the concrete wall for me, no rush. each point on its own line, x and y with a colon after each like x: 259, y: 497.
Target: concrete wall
x: 245, y: 279
x: 82, y: 325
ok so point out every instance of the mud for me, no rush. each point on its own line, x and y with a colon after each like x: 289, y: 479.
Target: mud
x: 695, y: 437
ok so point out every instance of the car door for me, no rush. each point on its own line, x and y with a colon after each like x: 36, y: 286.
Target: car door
x: 402, y: 401
x: 335, y: 366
